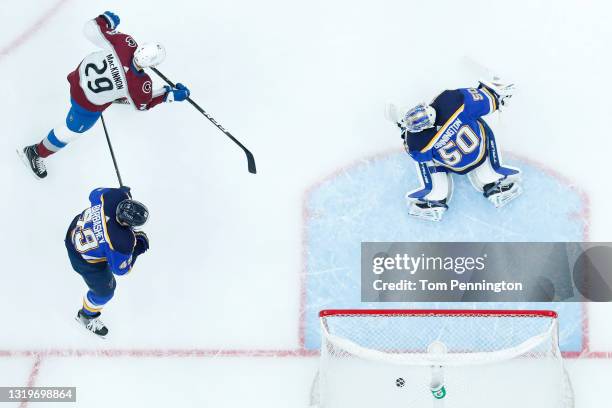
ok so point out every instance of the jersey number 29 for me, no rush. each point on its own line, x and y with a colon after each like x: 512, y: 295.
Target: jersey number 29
x: 102, y: 83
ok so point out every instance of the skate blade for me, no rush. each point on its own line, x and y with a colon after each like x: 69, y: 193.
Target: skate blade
x: 78, y: 322
x: 433, y: 215
x: 500, y: 200
x: 26, y: 163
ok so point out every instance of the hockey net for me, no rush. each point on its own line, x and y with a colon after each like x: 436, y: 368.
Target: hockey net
x: 440, y: 359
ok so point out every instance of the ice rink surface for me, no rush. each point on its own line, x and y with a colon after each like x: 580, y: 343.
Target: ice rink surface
x: 212, y: 315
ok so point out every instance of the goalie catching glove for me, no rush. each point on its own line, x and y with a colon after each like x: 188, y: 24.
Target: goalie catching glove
x: 503, y: 91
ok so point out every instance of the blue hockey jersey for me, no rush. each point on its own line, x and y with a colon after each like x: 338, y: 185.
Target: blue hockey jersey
x: 96, y: 235
x: 458, y: 141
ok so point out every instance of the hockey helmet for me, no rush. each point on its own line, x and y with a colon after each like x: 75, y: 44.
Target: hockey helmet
x: 149, y: 55
x: 132, y: 213
x: 419, y: 118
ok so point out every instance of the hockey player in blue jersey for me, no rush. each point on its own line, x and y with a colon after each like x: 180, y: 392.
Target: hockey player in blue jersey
x: 450, y: 136
x: 101, y: 243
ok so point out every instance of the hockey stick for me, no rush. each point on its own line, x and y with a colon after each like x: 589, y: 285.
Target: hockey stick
x: 249, y: 155
x: 110, y: 146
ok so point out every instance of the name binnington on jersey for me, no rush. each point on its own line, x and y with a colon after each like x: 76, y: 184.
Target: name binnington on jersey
x: 459, y: 139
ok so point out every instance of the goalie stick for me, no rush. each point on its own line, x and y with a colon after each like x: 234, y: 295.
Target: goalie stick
x: 250, y: 158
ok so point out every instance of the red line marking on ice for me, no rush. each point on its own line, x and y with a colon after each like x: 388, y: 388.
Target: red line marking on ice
x: 179, y: 353
x: 586, y: 201
x: 33, y: 375
x: 33, y: 29
x: 586, y: 216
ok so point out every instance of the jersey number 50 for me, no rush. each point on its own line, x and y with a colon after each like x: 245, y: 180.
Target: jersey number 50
x: 466, y: 141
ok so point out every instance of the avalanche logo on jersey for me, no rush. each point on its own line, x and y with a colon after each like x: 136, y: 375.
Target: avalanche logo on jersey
x: 459, y: 144
x: 130, y: 41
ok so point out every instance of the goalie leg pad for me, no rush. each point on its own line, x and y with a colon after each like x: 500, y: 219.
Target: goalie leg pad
x: 430, y: 201
x: 436, y: 184
x: 483, y: 175
x: 491, y: 170
x: 494, y: 156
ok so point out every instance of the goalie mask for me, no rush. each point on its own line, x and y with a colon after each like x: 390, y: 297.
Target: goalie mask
x: 419, y: 118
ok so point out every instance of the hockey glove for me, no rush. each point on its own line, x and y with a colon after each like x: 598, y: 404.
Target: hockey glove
x: 178, y: 94
x: 127, y: 190
x: 142, y: 243
x: 502, y: 90
x: 112, y: 20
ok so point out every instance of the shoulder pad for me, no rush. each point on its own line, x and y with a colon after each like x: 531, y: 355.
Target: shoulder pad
x: 446, y: 104
x: 112, y: 197
x: 417, y: 141
x: 122, y: 238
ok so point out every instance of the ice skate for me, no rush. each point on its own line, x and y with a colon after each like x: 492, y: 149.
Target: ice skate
x: 92, y: 323
x: 501, y: 193
x: 33, y: 161
x: 429, y: 210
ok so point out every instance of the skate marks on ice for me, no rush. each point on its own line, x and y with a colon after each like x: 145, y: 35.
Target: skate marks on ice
x: 365, y: 202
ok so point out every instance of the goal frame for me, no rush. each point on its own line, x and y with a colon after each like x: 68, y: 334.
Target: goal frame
x: 440, y: 312
x: 461, y: 358
x: 438, y: 361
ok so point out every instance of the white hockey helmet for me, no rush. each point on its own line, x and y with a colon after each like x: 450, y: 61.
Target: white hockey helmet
x: 149, y: 55
x: 419, y: 118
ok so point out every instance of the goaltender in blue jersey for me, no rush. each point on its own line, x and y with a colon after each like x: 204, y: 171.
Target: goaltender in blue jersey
x: 450, y: 136
x: 101, y: 243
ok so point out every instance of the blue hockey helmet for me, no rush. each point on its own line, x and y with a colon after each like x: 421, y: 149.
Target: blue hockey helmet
x: 419, y: 118
x: 132, y: 213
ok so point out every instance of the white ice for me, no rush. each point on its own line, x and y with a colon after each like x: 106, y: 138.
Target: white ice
x: 303, y: 85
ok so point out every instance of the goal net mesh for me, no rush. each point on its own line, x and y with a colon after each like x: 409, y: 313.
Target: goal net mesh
x: 441, y: 359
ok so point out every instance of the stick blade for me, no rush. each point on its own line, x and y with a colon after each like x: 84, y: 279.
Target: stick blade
x: 251, y: 162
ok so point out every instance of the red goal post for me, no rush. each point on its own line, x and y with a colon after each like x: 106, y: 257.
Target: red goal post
x: 439, y: 312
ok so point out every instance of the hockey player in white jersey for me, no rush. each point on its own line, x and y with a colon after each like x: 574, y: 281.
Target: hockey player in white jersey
x: 115, y: 74
x: 449, y: 136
